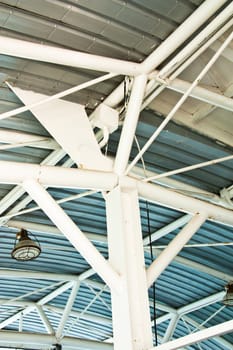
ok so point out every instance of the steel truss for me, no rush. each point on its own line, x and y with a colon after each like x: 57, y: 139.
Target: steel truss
x: 125, y: 273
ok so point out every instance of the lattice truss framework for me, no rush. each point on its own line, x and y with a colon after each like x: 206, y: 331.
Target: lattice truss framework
x: 124, y: 274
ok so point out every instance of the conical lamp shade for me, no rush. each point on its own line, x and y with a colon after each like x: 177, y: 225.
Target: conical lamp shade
x: 25, y: 249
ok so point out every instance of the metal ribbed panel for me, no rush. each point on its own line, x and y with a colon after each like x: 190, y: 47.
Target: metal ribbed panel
x: 129, y: 30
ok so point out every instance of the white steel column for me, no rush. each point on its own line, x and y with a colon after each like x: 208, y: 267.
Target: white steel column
x: 159, y: 265
x: 130, y: 306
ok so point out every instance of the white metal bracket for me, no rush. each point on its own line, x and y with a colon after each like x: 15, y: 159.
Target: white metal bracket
x: 68, y: 123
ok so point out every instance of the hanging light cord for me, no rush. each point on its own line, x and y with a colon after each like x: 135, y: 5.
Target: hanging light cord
x: 151, y: 248
x: 153, y: 286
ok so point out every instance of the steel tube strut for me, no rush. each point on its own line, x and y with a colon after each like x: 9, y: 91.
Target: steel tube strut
x: 72, y: 233
x: 193, y: 338
x: 67, y: 309
x: 130, y: 124
x: 15, y: 173
x: 43, y: 341
x: 164, y: 259
x: 192, y: 46
x: 187, y: 28
x: 54, y: 97
x: 172, y: 199
x: 180, y: 102
x: 56, y: 55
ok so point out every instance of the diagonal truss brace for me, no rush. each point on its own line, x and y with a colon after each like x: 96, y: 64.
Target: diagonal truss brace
x: 73, y: 233
x: 159, y: 265
x: 68, y: 308
x: 38, y: 306
x: 193, y: 338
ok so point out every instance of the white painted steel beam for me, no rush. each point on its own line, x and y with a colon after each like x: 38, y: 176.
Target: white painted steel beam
x: 73, y: 233
x: 173, y: 199
x: 45, y: 341
x: 67, y: 309
x: 55, y: 293
x: 45, y: 320
x: 167, y: 229
x: 39, y: 303
x: 194, y: 44
x: 49, y: 229
x: 196, y: 305
x: 189, y: 168
x: 16, y: 173
x: 130, y: 124
x: 180, y: 187
x: 131, y: 318
x: 180, y: 102
x: 21, y: 204
x: 187, y: 28
x: 173, y: 248
x: 170, y: 329
x: 45, y: 53
x: 199, y: 336
x: 59, y: 95
x: 18, y: 191
x: 13, y: 172
x: 21, y: 323
x: 56, y: 55
x: 201, y: 93
x: 20, y: 137
x: 16, y: 316
x: 17, y: 274
x: 60, y: 310
x: 218, y: 339
x: 200, y: 267
x: 163, y: 318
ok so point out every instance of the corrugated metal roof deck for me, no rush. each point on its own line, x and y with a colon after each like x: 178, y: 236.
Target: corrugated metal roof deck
x: 128, y: 30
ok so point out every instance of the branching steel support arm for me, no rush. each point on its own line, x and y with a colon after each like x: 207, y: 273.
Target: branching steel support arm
x: 159, y: 265
x: 130, y: 124
x: 72, y: 233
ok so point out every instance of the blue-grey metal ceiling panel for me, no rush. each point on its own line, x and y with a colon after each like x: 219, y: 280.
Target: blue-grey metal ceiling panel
x: 129, y: 30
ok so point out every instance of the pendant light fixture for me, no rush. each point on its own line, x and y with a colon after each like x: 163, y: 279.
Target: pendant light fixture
x: 228, y: 299
x: 25, y: 248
